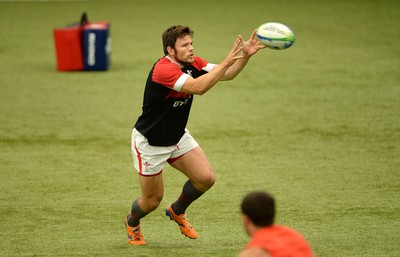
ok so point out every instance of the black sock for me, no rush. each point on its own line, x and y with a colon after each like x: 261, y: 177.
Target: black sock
x: 188, y: 195
x: 136, y: 214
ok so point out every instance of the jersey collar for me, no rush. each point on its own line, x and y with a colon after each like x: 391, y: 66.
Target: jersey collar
x: 169, y: 58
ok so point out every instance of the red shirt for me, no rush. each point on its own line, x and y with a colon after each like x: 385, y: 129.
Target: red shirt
x: 281, y: 241
x: 165, y: 110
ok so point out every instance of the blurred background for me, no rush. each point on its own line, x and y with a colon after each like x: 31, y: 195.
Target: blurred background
x: 317, y: 125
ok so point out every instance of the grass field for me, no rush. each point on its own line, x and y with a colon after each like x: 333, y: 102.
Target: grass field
x: 317, y: 125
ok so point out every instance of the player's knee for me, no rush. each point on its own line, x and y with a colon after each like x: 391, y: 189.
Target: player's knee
x: 211, y: 180
x: 208, y: 180
x: 151, y: 203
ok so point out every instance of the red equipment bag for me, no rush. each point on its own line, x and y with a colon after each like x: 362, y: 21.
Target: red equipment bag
x: 69, y: 46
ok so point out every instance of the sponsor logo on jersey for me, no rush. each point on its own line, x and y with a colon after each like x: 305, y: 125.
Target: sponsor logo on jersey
x: 180, y: 103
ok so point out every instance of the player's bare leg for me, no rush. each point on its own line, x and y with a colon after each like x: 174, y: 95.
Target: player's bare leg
x: 195, y: 165
x: 152, y: 194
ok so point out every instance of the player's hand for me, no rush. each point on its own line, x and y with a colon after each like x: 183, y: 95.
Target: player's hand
x: 251, y: 46
x: 233, y: 55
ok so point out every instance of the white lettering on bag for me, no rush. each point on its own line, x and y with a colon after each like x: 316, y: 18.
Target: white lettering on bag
x: 92, y: 49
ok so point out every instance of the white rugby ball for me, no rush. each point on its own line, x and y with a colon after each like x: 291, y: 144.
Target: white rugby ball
x: 275, y: 35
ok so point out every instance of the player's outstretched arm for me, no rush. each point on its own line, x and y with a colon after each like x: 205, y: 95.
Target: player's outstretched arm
x: 250, y: 47
x: 202, y: 84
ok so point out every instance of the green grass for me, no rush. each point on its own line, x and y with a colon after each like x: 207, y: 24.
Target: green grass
x: 317, y: 125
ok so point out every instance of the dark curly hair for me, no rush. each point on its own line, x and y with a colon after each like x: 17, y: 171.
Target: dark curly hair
x: 170, y: 36
x: 259, y: 206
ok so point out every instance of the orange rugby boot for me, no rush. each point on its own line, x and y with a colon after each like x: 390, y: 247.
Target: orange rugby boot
x: 184, y: 224
x: 135, y: 236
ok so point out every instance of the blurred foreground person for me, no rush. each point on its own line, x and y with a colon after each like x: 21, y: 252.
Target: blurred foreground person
x: 267, y: 238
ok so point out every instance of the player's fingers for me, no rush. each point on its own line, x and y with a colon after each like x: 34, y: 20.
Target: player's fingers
x: 236, y: 45
x: 238, y: 41
x: 237, y: 51
x: 253, y: 35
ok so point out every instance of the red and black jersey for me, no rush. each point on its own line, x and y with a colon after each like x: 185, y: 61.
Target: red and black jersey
x: 165, y: 110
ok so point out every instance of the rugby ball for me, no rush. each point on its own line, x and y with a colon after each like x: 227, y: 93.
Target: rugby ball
x: 275, y: 35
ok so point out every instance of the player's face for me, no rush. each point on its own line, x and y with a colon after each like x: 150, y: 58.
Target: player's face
x: 184, y: 51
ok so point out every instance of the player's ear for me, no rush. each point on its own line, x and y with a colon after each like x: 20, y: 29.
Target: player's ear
x: 170, y: 50
x: 245, y: 219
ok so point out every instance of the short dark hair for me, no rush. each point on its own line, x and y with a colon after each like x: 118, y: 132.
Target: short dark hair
x: 170, y: 36
x: 259, y: 206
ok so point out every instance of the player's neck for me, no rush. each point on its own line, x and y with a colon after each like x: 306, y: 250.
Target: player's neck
x: 172, y: 59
